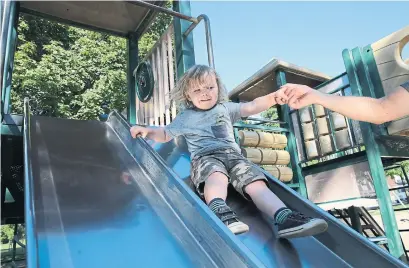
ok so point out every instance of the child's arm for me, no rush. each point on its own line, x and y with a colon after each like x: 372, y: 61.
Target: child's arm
x: 157, y: 134
x: 261, y: 104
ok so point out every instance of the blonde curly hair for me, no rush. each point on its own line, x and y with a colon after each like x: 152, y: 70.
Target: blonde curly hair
x: 195, y: 77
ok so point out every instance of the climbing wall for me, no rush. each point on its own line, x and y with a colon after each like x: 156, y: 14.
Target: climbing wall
x: 268, y: 151
x: 393, y: 70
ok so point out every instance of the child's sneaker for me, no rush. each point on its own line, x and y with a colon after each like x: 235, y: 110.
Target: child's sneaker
x: 299, y: 225
x: 228, y: 217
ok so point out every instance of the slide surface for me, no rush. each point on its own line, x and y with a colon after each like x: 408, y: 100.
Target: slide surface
x: 95, y: 197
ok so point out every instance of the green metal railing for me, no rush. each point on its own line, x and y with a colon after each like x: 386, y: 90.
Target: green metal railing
x: 284, y: 112
x: 358, y: 80
x: 359, y: 219
x: 343, y: 89
x: 405, y: 188
x: 363, y: 80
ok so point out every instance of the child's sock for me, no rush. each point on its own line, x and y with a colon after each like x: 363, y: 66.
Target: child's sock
x: 227, y: 216
x: 281, y: 215
x: 216, y: 203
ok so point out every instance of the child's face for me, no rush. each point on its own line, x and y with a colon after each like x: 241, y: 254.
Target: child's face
x: 204, y: 96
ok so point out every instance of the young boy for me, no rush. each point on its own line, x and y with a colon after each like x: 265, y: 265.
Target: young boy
x: 206, y: 121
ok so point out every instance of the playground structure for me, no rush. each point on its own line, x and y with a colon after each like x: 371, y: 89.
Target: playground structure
x: 312, y: 152
x: 330, y: 152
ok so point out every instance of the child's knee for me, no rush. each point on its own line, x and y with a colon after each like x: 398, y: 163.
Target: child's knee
x: 217, y: 178
x: 255, y: 187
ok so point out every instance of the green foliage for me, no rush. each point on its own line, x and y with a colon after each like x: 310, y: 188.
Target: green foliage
x: 41, y: 32
x: 7, y: 233
x: 272, y: 114
x: 68, y: 72
x: 398, y: 171
x: 73, y: 73
x: 157, y: 28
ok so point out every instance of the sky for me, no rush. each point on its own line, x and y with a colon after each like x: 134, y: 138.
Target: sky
x: 247, y: 35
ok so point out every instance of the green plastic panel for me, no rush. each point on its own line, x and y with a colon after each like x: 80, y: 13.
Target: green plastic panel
x: 185, y: 53
x: 132, y: 48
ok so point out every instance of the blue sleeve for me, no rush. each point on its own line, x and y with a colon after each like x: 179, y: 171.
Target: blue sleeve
x: 234, y: 111
x: 175, y: 128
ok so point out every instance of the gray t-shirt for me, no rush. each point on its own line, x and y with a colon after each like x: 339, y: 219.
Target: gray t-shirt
x: 206, y: 131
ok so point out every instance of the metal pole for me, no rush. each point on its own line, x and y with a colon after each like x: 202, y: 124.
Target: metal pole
x: 209, y: 43
x: 9, y: 57
x: 195, y: 21
x: 164, y: 10
x: 14, y: 242
x: 3, y: 37
x: 263, y: 120
x: 292, y: 144
x: 184, y: 46
x: 29, y: 215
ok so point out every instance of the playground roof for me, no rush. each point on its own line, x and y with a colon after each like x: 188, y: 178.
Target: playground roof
x: 264, y: 81
x: 114, y: 17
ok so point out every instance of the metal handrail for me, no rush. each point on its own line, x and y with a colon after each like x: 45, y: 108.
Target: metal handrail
x: 28, y: 195
x: 194, y: 21
x: 4, y: 28
x: 164, y: 10
x: 264, y: 120
x: 209, y: 43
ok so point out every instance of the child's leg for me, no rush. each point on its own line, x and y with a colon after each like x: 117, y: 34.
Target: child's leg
x: 252, y: 184
x: 210, y: 178
x: 263, y: 198
x: 215, y: 192
x: 216, y: 187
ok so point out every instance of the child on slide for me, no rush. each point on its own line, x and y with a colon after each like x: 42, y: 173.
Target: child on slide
x: 206, y: 121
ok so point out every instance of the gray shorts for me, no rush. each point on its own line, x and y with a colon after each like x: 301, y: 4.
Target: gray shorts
x: 238, y: 169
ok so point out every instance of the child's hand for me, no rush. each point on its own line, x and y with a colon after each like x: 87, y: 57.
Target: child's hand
x: 300, y: 95
x: 137, y: 130
x: 126, y: 178
x: 280, y: 97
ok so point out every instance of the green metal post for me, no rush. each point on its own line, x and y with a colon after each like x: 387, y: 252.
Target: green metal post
x: 292, y: 146
x: 361, y: 85
x: 236, y: 136
x: 132, y: 48
x: 9, y: 56
x: 185, y: 53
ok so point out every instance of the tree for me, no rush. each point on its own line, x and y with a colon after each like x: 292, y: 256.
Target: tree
x: 271, y: 113
x: 73, y: 82
x: 398, y: 171
x: 159, y: 25
x: 7, y: 233
x: 41, y: 32
x: 73, y: 73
